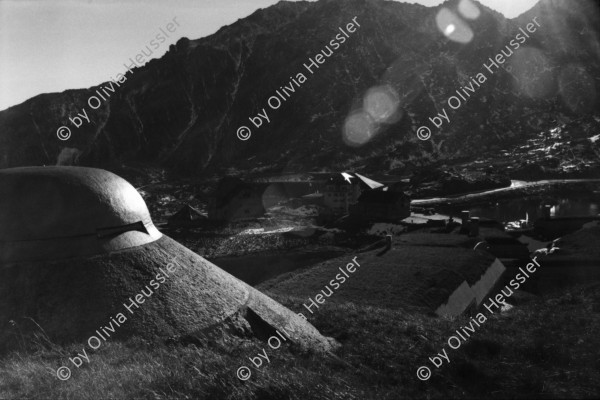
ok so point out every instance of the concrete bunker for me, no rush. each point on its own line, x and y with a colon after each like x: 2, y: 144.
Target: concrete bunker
x: 76, y: 244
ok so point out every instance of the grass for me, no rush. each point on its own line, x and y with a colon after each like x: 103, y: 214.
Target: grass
x: 546, y: 348
x: 414, y: 273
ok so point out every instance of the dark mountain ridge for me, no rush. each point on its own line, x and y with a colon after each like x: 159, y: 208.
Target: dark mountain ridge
x: 182, y: 111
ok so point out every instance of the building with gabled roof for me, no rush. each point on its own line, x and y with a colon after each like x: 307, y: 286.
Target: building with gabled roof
x: 340, y: 191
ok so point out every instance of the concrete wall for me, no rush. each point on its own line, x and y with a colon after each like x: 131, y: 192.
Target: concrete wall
x: 465, y: 295
x: 458, y: 301
x: 488, y: 280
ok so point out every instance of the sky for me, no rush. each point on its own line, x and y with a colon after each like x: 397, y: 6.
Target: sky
x: 53, y: 45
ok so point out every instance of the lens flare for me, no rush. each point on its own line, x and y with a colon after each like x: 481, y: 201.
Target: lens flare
x: 468, y: 9
x: 381, y: 103
x: 453, y: 27
x: 359, y: 128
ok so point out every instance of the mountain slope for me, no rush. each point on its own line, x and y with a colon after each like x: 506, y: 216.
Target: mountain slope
x: 183, y: 110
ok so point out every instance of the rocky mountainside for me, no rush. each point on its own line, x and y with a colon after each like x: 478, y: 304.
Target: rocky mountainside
x: 402, y: 64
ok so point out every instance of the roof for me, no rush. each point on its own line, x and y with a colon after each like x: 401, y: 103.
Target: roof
x: 354, y: 179
x: 343, y: 178
x: 370, y: 183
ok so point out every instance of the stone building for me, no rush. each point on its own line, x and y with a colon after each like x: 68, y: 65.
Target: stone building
x: 341, y: 191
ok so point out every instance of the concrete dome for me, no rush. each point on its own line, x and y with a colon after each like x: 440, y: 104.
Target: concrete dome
x: 73, y: 292
x: 49, y: 213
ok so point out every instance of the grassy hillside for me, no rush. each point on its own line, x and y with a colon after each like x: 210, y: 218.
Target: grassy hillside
x: 414, y: 273
x: 512, y: 355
